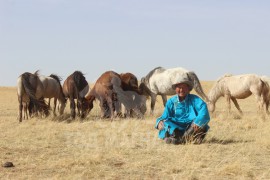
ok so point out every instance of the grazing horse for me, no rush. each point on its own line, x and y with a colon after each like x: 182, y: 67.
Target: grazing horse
x: 238, y: 87
x: 30, y: 92
x: 159, y: 81
x: 110, y: 89
x: 75, y: 87
x: 103, y: 91
x: 53, y: 89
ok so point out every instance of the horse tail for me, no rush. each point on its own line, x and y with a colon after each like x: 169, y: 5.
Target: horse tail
x: 197, y: 85
x: 58, y: 79
x: 30, y: 91
x: 265, y: 90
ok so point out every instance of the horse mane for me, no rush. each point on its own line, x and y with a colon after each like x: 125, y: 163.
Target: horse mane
x: 79, y: 80
x: 225, y: 75
x: 148, y: 76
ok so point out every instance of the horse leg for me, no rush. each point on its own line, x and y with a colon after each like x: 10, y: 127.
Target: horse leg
x: 72, y: 107
x: 78, y: 107
x: 104, y: 108
x: 237, y: 105
x: 49, y: 103
x: 228, y: 99
x: 20, y: 110
x: 164, y: 98
x: 54, y: 107
x: 110, y: 104
x: 25, y: 107
x: 153, y: 102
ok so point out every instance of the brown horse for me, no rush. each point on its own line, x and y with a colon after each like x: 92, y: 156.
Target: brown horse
x: 103, y: 91
x: 130, y: 82
x: 30, y: 93
x: 112, y: 89
x: 75, y: 87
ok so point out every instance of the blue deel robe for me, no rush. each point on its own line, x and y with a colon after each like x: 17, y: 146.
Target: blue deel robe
x: 181, y: 115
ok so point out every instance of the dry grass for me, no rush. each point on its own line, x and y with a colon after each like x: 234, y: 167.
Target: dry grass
x: 58, y: 148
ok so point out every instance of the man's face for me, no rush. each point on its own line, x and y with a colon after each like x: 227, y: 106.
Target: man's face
x: 182, y: 90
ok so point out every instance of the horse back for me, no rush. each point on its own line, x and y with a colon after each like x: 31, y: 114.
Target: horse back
x: 129, y: 82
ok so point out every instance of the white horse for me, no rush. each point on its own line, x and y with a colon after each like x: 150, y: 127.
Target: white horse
x: 132, y: 101
x: 159, y: 81
x: 239, y: 87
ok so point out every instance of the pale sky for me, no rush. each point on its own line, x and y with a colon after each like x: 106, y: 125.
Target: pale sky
x: 209, y: 37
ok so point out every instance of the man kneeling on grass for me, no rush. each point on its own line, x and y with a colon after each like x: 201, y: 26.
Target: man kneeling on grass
x: 185, y: 117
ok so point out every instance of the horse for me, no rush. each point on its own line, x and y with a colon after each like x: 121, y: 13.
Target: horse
x: 75, y: 87
x: 129, y: 82
x: 234, y: 87
x: 103, y: 91
x: 30, y: 92
x: 109, y: 89
x: 159, y: 81
x: 53, y: 89
x: 132, y: 101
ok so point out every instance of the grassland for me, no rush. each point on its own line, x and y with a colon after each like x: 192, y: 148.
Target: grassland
x: 58, y: 148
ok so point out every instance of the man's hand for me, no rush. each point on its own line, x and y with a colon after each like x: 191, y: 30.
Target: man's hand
x: 195, y: 127
x: 160, y: 125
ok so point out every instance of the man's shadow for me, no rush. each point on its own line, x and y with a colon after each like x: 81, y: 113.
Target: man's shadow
x: 225, y: 141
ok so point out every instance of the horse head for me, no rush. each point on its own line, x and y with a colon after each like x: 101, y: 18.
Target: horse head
x: 211, y: 106
x: 144, y: 90
x: 87, y: 105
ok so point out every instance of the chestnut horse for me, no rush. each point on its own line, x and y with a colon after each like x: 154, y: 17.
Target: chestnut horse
x: 103, y: 91
x: 75, y: 87
x: 30, y: 91
x: 110, y: 88
x: 130, y: 82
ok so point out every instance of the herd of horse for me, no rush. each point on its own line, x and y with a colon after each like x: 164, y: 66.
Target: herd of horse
x: 122, y: 94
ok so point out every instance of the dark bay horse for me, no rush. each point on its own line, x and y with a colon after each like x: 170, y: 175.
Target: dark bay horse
x: 75, y: 87
x: 30, y: 93
x: 159, y: 81
x: 112, y: 89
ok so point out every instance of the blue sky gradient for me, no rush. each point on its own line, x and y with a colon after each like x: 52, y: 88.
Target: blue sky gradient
x: 209, y: 37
